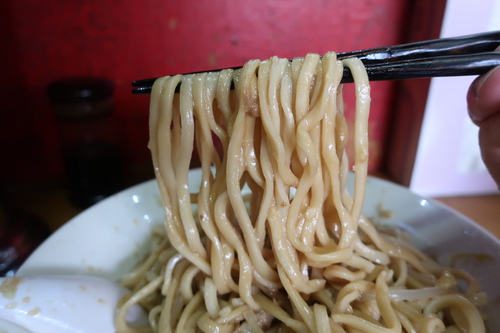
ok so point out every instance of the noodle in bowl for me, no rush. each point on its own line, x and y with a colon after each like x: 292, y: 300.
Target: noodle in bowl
x: 97, y: 241
x: 270, y: 239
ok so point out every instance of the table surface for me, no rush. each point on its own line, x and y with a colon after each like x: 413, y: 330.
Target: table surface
x: 55, y: 209
x: 483, y: 209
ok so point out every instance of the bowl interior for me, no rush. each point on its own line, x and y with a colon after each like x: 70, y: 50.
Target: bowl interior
x: 109, y: 238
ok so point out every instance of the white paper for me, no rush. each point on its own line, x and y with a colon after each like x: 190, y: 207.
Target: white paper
x: 448, y: 159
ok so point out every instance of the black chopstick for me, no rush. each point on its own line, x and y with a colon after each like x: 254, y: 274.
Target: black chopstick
x: 455, y: 56
x: 469, y: 44
x: 445, y: 66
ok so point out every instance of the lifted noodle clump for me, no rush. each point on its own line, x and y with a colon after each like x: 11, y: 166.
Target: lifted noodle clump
x: 271, y: 241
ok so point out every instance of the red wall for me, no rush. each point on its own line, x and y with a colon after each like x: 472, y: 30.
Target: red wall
x: 128, y: 39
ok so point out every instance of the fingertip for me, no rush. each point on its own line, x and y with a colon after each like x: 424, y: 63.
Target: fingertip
x: 472, y: 100
x: 483, y: 96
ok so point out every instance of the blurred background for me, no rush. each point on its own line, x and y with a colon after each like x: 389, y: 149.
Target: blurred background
x: 124, y: 40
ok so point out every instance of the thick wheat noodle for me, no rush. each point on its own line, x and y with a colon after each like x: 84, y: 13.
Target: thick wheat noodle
x: 271, y: 239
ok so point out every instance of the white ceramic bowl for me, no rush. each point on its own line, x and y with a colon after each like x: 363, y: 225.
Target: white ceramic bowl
x: 109, y: 238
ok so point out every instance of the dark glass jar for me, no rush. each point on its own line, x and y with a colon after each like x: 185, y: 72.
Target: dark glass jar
x: 89, y: 140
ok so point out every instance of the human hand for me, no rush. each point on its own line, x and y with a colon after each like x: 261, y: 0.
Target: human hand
x: 483, y: 99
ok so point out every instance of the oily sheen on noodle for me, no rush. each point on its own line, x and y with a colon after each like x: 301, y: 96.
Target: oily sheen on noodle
x: 272, y: 241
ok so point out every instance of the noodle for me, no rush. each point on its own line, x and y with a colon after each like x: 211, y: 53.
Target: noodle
x: 271, y: 240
